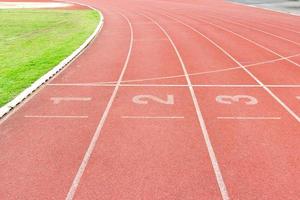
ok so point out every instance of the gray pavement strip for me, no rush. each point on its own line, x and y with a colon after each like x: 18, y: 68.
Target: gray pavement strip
x: 288, y: 6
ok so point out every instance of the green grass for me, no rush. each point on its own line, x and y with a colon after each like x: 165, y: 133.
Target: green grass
x: 32, y: 42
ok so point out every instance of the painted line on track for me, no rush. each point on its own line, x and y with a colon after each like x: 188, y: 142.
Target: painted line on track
x: 250, y: 118
x: 209, y: 146
x: 279, y: 27
x: 95, y: 138
x: 56, y: 116
x: 259, y: 30
x: 152, y: 117
x: 57, y: 100
x: 204, y: 20
x: 167, y: 85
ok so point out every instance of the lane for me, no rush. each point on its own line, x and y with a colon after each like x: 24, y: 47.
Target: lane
x: 162, y: 153
x: 40, y: 153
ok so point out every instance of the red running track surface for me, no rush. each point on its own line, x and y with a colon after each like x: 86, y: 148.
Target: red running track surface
x: 185, y: 99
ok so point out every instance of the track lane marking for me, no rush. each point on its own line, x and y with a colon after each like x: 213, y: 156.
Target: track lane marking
x: 57, y: 100
x: 259, y: 30
x: 166, y: 85
x: 57, y: 116
x: 210, y: 149
x: 290, y: 111
x: 94, y: 140
x: 249, y: 118
x: 281, y: 28
x: 152, y: 117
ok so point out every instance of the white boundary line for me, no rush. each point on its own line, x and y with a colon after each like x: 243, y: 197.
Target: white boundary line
x: 209, y: 146
x: 256, y: 29
x: 249, y: 118
x: 57, y: 116
x: 281, y: 28
x: 152, y: 117
x: 168, y: 85
x: 94, y: 140
x: 262, y: 8
x: 28, y: 91
x: 289, y: 110
x: 204, y: 20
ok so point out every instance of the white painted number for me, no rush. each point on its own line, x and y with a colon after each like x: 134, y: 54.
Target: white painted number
x: 225, y: 99
x: 144, y: 99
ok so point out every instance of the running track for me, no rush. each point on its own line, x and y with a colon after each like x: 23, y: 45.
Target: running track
x: 220, y: 119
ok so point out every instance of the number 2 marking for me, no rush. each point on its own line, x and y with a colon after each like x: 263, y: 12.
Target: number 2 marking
x: 143, y: 99
x: 225, y: 99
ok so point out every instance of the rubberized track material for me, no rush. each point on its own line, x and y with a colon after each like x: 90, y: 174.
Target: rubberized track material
x: 185, y: 99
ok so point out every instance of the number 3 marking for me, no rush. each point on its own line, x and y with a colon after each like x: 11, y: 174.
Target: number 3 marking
x: 224, y: 99
x: 142, y: 99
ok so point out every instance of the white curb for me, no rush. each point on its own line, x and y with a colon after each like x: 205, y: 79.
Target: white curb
x: 23, y: 95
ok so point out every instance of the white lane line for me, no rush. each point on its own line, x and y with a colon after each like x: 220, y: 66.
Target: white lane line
x: 250, y: 118
x: 283, y: 28
x: 169, y: 85
x: 57, y: 100
x: 152, y: 117
x: 245, y: 69
x: 56, y: 116
x: 209, y: 146
x: 247, y: 39
x: 259, y: 30
x: 94, y: 140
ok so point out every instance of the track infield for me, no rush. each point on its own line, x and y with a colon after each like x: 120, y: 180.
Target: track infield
x: 34, y: 41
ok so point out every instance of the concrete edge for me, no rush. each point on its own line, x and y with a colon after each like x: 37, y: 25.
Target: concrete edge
x: 4, y: 110
x: 268, y: 9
